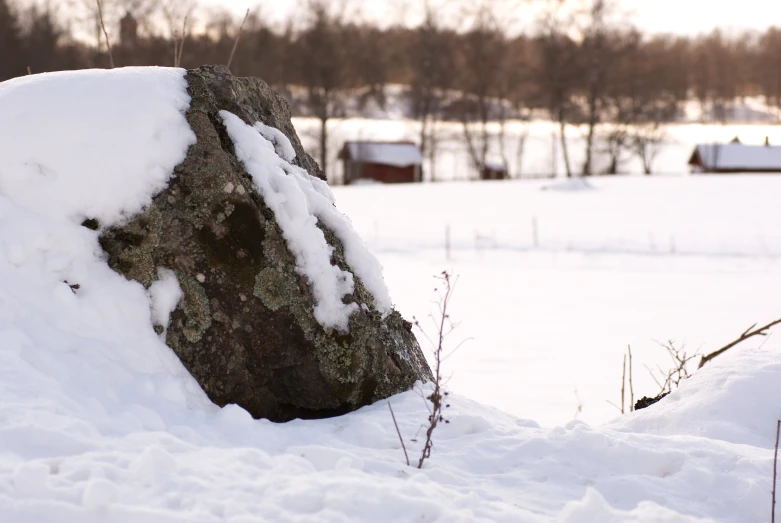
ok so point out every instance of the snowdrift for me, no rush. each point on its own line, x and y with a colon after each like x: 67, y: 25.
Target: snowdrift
x: 100, y: 422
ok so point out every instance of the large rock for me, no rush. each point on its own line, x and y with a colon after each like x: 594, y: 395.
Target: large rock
x: 245, y: 327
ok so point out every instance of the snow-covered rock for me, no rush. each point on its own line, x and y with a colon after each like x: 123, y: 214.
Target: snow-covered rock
x: 258, y: 283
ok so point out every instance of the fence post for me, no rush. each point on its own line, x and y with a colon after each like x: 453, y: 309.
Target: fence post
x: 447, y: 242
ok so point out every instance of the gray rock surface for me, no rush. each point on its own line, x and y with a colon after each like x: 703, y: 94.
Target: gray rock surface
x: 245, y: 328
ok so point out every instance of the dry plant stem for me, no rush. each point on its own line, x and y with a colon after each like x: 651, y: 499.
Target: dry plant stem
x: 623, y: 383
x: 775, y: 462
x: 748, y: 333
x: 436, y: 397
x: 176, y: 48
x: 181, y: 43
x: 403, y: 447
x: 105, y: 33
x: 631, y: 388
x: 622, y: 408
x: 29, y: 71
x: 678, y: 372
x: 238, y: 36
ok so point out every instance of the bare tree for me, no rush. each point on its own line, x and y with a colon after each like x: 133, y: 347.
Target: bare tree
x: 616, y: 141
x: 594, y: 43
x: 323, y: 68
x: 432, y: 66
x: 636, y: 100
x: 557, y: 68
x: 517, y: 86
x: 12, y: 63
x: 483, y: 53
x: 646, y: 140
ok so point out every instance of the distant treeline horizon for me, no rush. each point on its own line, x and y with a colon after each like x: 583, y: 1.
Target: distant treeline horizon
x: 580, y: 65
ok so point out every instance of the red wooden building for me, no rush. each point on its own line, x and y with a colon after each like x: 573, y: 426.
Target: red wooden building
x: 386, y: 162
x: 493, y: 171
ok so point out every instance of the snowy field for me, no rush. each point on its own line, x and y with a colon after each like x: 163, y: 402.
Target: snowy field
x: 100, y: 422
x: 622, y: 261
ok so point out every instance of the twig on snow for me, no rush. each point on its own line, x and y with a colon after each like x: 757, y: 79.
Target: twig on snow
x: 748, y: 333
x: 403, y: 447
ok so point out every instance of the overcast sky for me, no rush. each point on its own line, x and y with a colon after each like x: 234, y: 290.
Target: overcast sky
x: 675, y: 16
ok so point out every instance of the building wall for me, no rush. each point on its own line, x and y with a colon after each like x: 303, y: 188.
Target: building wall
x: 493, y: 174
x: 380, y: 173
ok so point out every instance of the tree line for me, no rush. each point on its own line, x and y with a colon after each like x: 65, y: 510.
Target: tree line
x: 577, y: 62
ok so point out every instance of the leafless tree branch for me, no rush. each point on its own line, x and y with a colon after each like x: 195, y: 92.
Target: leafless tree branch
x: 748, y: 333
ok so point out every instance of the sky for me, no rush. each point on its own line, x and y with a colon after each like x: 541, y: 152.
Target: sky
x: 668, y: 16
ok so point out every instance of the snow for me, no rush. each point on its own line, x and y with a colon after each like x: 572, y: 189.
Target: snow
x: 164, y: 296
x: 282, y: 145
x: 100, y: 422
x: 633, y: 261
x: 593, y: 507
x: 385, y: 153
x: 298, y: 201
x: 570, y: 184
x: 739, y: 156
x: 713, y: 406
x: 63, y: 134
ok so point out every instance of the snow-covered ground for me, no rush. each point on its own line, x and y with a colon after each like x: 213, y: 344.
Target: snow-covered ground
x: 100, y: 422
x: 621, y: 261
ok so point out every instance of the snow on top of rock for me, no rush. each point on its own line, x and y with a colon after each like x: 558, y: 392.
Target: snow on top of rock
x: 299, y: 201
x: 164, y: 295
x: 92, y: 144
x: 281, y: 144
x: 74, y: 145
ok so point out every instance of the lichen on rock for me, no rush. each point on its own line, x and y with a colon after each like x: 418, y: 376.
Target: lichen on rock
x: 245, y: 327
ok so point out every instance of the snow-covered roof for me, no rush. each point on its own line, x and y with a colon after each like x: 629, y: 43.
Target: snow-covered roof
x: 495, y: 166
x: 738, y: 157
x: 397, y: 154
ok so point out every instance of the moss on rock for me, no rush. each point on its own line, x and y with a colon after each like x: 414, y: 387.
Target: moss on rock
x: 245, y: 328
